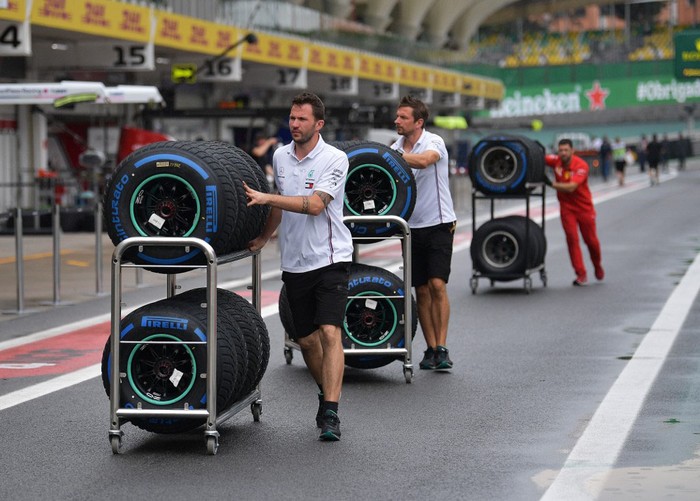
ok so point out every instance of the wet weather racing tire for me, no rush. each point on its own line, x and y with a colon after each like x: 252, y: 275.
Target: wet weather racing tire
x: 182, y: 189
x: 252, y: 339
x: 504, y: 248
x: 163, y: 362
x: 505, y: 164
x: 379, y: 183
x: 286, y: 314
x: 374, y: 318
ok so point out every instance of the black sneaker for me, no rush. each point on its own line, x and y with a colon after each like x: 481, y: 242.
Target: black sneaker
x: 319, y: 414
x: 330, y: 427
x: 442, y: 358
x: 428, y: 362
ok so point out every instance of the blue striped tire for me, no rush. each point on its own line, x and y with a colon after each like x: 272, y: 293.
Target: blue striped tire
x: 374, y: 317
x: 172, y: 376
x: 174, y: 189
x: 379, y: 183
x: 505, y: 164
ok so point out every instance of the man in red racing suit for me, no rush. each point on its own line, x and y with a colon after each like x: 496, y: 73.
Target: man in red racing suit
x: 576, y: 208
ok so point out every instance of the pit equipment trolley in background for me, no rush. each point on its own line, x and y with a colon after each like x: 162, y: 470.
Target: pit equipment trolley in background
x: 405, y: 351
x: 253, y: 399
x: 506, y: 247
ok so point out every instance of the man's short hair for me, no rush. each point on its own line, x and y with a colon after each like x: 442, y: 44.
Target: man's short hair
x: 567, y: 142
x: 317, y: 106
x: 420, y: 110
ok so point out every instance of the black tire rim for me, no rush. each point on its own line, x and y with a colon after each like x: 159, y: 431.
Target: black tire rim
x: 165, y: 205
x: 369, y: 321
x: 369, y: 190
x: 499, y: 164
x: 500, y: 249
x: 161, y: 374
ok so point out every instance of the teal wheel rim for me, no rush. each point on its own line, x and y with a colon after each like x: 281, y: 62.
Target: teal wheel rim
x: 161, y: 374
x: 165, y: 205
x: 370, y: 319
x: 370, y: 190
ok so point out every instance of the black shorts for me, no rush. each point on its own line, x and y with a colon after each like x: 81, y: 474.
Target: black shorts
x: 431, y: 253
x: 317, y: 297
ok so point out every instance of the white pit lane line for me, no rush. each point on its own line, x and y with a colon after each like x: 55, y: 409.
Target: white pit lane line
x: 596, y: 451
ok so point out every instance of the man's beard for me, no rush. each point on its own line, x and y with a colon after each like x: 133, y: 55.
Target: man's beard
x: 304, y: 139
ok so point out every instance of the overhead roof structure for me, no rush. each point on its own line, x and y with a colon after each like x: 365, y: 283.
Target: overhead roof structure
x: 92, y: 36
x: 436, y: 19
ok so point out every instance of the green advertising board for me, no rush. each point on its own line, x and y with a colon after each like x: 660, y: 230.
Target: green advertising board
x: 687, y: 59
x: 595, y: 95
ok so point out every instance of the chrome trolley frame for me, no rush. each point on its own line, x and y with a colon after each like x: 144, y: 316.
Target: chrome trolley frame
x: 119, y: 414
x: 406, y: 352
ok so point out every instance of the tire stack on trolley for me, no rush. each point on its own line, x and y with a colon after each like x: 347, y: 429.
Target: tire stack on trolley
x: 512, y: 247
x: 379, y: 183
x: 185, y: 189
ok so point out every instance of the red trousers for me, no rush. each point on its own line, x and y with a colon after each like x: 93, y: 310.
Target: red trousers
x: 572, y: 221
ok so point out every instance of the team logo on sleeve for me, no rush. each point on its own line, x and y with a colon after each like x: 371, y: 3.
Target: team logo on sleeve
x: 309, y: 184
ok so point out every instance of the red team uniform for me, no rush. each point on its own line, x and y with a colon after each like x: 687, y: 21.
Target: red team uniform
x: 577, y: 211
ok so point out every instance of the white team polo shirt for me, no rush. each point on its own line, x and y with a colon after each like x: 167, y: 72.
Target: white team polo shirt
x: 433, y: 198
x: 310, y: 242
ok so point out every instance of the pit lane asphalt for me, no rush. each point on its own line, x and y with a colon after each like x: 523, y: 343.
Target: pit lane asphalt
x: 530, y: 372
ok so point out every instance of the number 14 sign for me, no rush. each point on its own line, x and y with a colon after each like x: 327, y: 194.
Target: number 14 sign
x: 15, y: 38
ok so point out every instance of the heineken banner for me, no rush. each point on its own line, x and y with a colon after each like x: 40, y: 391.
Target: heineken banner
x: 596, y: 95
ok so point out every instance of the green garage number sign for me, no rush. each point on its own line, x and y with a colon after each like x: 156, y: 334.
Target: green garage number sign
x: 687, y: 46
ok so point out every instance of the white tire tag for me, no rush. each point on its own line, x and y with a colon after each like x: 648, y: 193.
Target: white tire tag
x: 371, y: 304
x: 369, y: 204
x: 156, y: 221
x: 175, y: 377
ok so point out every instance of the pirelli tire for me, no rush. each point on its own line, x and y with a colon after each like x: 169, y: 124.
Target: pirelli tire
x: 374, y: 315
x: 505, y: 248
x: 379, y: 183
x: 373, y: 319
x: 170, y: 372
x: 240, y: 165
x: 504, y: 164
x: 252, y: 339
x: 175, y: 189
x: 286, y: 314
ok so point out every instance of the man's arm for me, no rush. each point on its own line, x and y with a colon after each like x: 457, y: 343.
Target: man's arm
x: 569, y: 187
x: 302, y: 204
x: 261, y: 149
x: 421, y: 160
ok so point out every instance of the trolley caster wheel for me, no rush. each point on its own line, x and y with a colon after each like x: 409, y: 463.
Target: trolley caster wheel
x: 408, y: 374
x: 473, y: 283
x: 116, y: 443
x: 212, y: 445
x: 288, y: 355
x: 256, y: 409
x: 528, y: 284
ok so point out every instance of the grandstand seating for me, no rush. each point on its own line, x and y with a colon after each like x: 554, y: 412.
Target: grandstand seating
x: 551, y: 49
x: 658, y: 45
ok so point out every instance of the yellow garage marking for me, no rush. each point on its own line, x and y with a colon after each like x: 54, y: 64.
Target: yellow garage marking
x: 80, y: 264
x: 34, y: 257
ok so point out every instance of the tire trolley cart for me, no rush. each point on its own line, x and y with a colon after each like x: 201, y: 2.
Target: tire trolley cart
x: 408, y: 321
x: 509, y: 248
x: 119, y: 414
